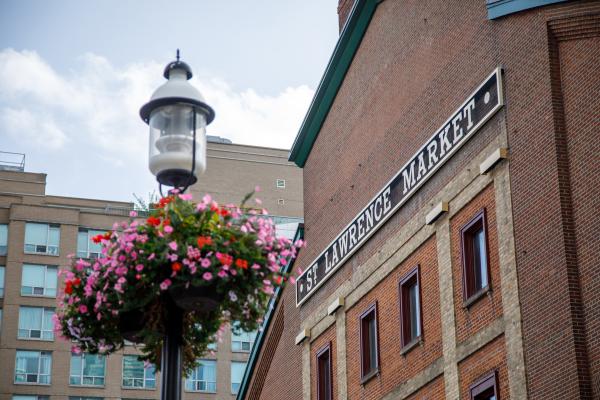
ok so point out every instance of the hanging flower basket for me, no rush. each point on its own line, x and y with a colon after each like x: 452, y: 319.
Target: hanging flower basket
x: 218, y: 264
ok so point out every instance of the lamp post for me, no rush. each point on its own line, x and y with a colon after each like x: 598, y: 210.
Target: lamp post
x: 177, y: 115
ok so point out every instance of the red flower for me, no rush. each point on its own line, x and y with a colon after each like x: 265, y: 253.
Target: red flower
x: 76, y: 281
x: 68, y: 288
x: 204, y: 241
x: 240, y: 263
x: 225, y: 259
x: 164, y: 201
x: 176, y: 267
x: 98, y: 238
x: 223, y: 212
x: 153, y: 221
x: 107, y: 235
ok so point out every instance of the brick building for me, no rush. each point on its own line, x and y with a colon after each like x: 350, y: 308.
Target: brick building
x: 38, y: 231
x: 450, y: 167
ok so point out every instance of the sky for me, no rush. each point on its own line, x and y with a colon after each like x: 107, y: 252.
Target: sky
x: 73, y: 75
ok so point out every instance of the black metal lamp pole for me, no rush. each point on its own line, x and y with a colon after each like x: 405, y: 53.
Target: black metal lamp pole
x: 177, y: 115
x: 171, y: 360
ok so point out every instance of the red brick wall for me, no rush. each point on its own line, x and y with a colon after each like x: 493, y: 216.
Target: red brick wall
x: 394, y: 368
x: 578, y: 58
x: 489, y: 307
x: 490, y: 357
x: 434, y: 390
x: 327, y: 337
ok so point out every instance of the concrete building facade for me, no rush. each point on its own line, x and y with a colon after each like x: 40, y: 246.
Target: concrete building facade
x: 450, y: 164
x: 38, y: 231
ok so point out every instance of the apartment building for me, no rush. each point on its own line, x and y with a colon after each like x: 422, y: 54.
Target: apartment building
x: 38, y: 231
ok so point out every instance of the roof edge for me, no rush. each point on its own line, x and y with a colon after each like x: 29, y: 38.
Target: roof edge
x: 339, y: 63
x: 253, y: 359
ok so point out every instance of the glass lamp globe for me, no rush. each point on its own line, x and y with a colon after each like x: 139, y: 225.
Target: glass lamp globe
x: 177, y: 115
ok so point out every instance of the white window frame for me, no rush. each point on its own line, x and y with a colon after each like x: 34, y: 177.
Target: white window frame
x: 81, y: 376
x: 4, y: 246
x: 46, y: 245
x: 90, y: 233
x: 250, y: 343
x: 45, y: 288
x: 41, y: 330
x: 41, y: 355
x: 145, y: 380
x: 280, y: 183
x: 195, y: 383
x: 2, y: 280
x: 29, y: 396
x: 241, y: 378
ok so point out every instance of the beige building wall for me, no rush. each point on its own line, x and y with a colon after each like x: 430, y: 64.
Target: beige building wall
x: 234, y: 170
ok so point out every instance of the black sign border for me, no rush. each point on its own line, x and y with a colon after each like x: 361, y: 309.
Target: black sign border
x: 490, y: 114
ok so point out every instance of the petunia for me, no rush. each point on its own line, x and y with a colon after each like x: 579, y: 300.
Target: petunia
x: 83, y: 309
x: 168, y: 229
x: 207, y: 276
x: 173, y: 245
x: 165, y: 284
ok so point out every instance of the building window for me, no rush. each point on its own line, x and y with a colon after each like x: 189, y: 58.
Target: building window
x: 369, y: 352
x: 35, y: 323
x: 212, y: 346
x: 280, y: 202
x: 39, y: 280
x: 87, y: 370
x: 485, y: 388
x: 0, y: 320
x: 410, y: 308
x: 42, y: 238
x: 135, y: 375
x: 29, y: 397
x: 1, y: 281
x: 475, y: 257
x: 85, y: 398
x: 203, y: 378
x: 237, y: 374
x: 241, y: 341
x: 324, y: 374
x: 280, y: 183
x: 86, y: 248
x: 3, y: 239
x: 33, y: 367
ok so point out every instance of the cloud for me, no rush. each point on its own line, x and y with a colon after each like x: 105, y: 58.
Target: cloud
x: 99, y: 103
x: 93, y: 109
x: 41, y: 131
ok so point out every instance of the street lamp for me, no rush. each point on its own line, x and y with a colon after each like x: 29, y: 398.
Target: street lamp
x: 177, y: 115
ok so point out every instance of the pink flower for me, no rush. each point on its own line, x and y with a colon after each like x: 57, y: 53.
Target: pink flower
x: 206, y: 199
x: 151, y: 257
x: 172, y: 257
x: 133, y: 214
x: 139, y: 267
x: 186, y: 196
x: 83, y: 309
x: 173, y: 245
x: 168, y: 229
x: 205, y: 263
x: 257, y: 189
x: 222, y: 273
x: 165, y: 284
x: 207, y: 276
x: 255, y: 266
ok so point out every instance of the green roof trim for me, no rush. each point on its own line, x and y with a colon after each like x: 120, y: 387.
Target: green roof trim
x: 340, y: 61
x: 258, y: 343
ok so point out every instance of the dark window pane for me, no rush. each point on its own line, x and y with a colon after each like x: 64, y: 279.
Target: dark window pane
x: 324, y: 374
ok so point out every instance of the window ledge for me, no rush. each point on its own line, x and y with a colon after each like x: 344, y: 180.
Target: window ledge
x: 40, y: 254
x: 137, y: 388
x: 88, y: 386
x: 32, y: 384
x: 477, y: 296
x: 414, y: 343
x: 38, y: 296
x: 369, y: 376
x: 35, y: 339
